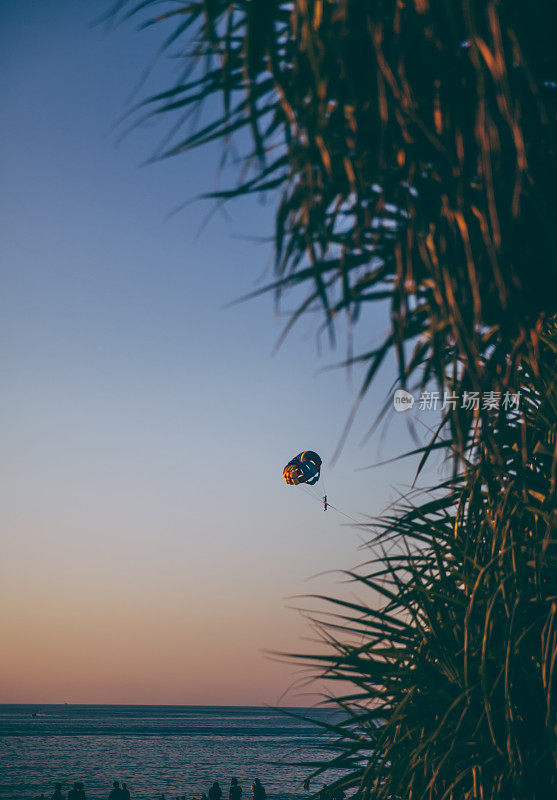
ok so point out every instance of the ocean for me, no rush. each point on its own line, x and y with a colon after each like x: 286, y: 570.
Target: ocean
x: 170, y: 750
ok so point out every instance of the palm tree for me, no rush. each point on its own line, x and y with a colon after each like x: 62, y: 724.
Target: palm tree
x: 452, y: 673
x: 411, y: 150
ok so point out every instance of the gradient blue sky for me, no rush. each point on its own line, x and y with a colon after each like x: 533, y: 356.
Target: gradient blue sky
x: 148, y: 538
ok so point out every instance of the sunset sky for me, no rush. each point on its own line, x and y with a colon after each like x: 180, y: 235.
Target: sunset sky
x: 148, y: 539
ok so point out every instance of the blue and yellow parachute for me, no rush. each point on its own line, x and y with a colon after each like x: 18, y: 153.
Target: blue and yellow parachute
x: 304, y: 468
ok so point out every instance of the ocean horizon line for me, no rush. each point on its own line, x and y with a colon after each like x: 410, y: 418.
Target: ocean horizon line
x: 157, y: 705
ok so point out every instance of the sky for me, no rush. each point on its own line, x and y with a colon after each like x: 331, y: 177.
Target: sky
x: 149, y: 543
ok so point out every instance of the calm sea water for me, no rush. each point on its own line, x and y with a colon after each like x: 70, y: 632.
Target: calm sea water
x: 173, y: 750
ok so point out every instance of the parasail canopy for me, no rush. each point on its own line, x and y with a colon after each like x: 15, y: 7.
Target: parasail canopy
x: 304, y: 468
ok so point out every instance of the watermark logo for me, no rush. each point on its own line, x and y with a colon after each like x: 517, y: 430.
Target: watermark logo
x: 472, y: 401
x: 403, y: 400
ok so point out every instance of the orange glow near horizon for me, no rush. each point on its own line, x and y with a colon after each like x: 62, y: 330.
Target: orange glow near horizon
x: 170, y: 647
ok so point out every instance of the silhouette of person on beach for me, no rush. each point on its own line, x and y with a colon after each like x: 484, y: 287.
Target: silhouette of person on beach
x: 325, y: 794
x: 125, y: 792
x: 235, y: 791
x: 73, y: 794
x: 215, y: 792
x: 258, y: 790
x: 57, y: 794
x: 115, y: 792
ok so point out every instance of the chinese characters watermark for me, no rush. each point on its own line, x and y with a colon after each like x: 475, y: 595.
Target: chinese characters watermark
x: 472, y: 401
